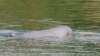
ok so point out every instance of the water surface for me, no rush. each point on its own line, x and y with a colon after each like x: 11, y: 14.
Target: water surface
x: 83, y: 43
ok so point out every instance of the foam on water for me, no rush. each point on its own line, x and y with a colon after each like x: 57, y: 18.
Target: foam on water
x: 87, y: 36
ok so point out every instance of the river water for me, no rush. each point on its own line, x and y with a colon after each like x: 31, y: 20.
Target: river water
x: 81, y: 16
x: 82, y: 44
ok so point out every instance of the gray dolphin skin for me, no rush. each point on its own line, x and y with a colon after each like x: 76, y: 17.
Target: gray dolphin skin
x: 55, y: 33
x: 58, y: 31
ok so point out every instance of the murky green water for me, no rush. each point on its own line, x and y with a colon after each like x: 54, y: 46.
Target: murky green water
x: 81, y: 16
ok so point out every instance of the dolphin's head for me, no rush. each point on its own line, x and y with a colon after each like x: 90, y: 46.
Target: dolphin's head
x: 63, y: 31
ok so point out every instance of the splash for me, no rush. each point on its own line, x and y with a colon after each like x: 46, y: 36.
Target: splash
x: 87, y: 37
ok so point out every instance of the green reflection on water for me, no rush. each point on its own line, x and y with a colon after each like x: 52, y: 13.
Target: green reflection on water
x: 80, y: 14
